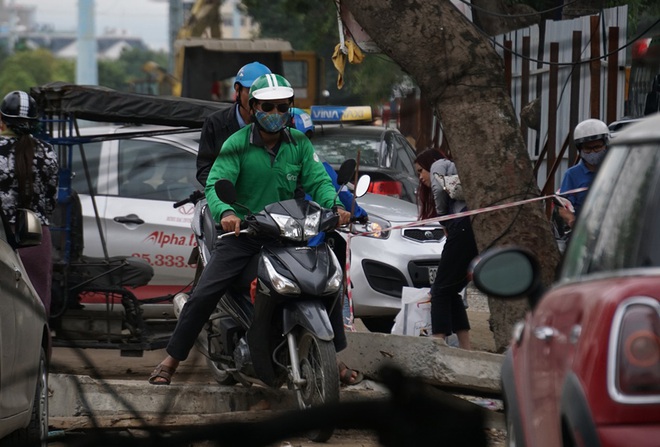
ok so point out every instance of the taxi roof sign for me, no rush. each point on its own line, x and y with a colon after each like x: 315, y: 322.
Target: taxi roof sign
x: 338, y: 114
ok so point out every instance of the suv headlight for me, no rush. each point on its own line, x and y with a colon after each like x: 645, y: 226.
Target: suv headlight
x: 292, y: 229
x: 374, y: 228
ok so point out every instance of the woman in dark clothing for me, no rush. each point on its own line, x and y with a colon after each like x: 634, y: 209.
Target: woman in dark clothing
x: 448, y: 313
x: 28, y: 179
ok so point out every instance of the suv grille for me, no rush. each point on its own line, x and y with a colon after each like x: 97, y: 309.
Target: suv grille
x: 424, y: 234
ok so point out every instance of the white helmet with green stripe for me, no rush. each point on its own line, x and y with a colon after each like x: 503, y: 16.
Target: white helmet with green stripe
x: 270, y: 86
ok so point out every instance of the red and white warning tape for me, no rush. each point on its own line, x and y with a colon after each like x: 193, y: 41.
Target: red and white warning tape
x: 349, y: 324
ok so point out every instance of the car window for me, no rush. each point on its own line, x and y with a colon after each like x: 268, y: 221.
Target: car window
x: 618, y: 225
x: 156, y: 171
x: 337, y: 148
x: 404, y: 157
x: 92, y: 153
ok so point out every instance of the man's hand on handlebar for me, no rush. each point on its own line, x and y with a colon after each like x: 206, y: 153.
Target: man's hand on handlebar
x: 344, y: 216
x: 231, y: 222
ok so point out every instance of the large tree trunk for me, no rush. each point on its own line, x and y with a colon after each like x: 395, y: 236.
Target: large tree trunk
x: 462, y: 75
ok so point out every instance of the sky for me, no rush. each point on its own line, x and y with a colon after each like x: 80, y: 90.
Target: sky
x: 147, y: 19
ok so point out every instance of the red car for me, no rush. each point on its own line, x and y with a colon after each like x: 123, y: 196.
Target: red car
x: 583, y: 368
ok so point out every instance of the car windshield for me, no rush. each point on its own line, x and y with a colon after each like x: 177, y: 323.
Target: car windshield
x: 337, y: 148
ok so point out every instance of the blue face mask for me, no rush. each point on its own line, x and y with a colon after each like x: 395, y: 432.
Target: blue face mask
x: 594, y: 158
x: 272, y: 122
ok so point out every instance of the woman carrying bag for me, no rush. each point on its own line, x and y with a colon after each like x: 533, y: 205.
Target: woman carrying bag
x: 448, y: 314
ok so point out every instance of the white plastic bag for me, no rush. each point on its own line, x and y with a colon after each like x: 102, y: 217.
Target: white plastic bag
x: 414, y: 318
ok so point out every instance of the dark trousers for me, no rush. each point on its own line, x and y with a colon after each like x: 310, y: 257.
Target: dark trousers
x: 448, y: 313
x: 228, y: 260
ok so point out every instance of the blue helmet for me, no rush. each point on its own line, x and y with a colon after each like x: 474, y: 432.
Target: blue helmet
x: 249, y: 72
x: 301, y: 121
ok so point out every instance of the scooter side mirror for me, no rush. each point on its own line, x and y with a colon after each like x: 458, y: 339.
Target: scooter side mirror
x: 225, y: 191
x: 346, y: 171
x: 362, y: 186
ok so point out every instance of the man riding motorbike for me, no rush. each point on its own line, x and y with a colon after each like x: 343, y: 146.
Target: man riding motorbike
x: 265, y: 161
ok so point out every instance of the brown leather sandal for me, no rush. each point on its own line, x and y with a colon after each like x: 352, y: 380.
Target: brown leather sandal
x: 346, y: 375
x: 162, y: 375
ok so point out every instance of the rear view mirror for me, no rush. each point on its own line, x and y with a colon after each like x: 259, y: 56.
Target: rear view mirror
x: 346, y: 171
x: 225, y: 191
x: 362, y: 185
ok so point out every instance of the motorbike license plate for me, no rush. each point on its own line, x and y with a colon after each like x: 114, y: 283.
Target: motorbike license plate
x: 432, y: 272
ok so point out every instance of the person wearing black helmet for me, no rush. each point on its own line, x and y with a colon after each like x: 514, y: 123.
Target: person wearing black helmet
x: 220, y: 125
x: 28, y: 179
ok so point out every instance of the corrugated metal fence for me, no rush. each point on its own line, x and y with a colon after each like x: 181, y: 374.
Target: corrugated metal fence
x: 576, y: 69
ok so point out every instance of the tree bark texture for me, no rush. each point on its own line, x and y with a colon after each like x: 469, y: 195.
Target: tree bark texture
x: 458, y: 69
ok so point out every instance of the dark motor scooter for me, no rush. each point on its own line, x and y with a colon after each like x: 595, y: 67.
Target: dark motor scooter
x: 274, y: 329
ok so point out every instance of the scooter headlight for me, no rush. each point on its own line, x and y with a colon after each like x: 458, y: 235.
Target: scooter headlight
x: 291, y: 228
x: 282, y: 284
x: 334, y: 283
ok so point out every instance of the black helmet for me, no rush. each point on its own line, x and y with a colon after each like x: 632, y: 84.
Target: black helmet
x: 18, y: 106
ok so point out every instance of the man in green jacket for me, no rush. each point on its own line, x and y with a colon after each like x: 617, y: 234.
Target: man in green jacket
x: 264, y: 160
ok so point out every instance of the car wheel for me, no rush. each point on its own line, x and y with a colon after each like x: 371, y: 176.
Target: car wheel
x: 379, y: 324
x: 36, y: 432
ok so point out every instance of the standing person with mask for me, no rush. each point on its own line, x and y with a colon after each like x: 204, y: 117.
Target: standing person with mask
x: 591, y: 137
x: 28, y: 179
x: 265, y: 161
x: 220, y: 125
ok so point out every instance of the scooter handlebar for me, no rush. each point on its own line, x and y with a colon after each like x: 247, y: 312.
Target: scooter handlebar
x: 244, y: 230
x: 195, y: 197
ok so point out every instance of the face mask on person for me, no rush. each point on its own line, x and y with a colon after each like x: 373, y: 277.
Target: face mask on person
x: 594, y: 158
x: 272, y: 122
